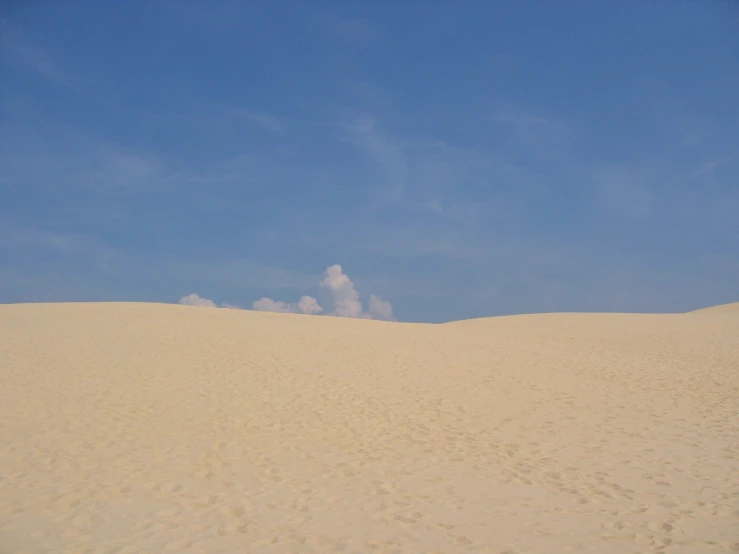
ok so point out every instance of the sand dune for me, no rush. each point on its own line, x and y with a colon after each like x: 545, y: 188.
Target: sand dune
x: 147, y: 428
x: 732, y: 309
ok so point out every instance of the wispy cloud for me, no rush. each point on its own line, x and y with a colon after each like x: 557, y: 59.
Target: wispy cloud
x: 28, y: 240
x: 219, y: 16
x: 237, y: 274
x: 543, y: 132
x: 38, y: 251
x: 624, y: 193
x: 692, y: 130
x: 388, y: 154
x: 23, y: 50
x: 709, y: 167
x: 421, y: 173
x: 434, y: 183
x: 264, y: 120
x: 112, y: 166
x: 426, y: 240
x: 48, y: 154
x: 353, y: 30
x: 687, y: 128
x: 49, y: 265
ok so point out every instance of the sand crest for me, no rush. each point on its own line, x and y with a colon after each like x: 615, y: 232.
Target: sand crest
x: 148, y: 428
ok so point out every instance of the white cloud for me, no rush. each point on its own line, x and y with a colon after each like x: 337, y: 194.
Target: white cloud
x: 306, y: 305
x: 380, y: 309
x: 309, y: 305
x: 269, y: 305
x: 344, y: 296
x: 195, y: 300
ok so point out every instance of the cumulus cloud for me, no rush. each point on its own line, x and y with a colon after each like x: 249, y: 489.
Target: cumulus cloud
x: 380, y: 309
x: 269, y: 305
x: 309, y: 305
x: 306, y: 305
x: 195, y: 300
x: 344, y: 296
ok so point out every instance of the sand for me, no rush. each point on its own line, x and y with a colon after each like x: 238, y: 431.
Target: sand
x: 150, y: 428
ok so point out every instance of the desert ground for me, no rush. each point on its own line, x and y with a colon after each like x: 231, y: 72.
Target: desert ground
x: 150, y: 428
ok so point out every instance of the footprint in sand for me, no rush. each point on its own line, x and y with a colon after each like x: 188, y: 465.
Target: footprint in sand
x: 178, y: 545
x: 232, y: 511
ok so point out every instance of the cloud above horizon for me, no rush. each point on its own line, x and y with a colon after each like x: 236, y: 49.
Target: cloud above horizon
x: 455, y: 189
x: 306, y: 305
x: 344, y: 297
x: 195, y: 300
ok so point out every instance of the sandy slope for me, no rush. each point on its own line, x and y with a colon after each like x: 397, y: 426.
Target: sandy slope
x: 148, y: 428
x: 727, y: 309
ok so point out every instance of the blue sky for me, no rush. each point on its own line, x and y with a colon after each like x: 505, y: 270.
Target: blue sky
x: 455, y: 159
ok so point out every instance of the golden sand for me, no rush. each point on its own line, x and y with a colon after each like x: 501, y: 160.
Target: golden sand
x: 150, y: 428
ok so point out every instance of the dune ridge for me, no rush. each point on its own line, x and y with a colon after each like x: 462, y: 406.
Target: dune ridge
x: 728, y: 309
x: 133, y: 427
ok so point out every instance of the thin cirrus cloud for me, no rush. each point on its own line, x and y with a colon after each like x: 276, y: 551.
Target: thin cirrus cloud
x: 533, y: 129
x: 533, y: 197
x: 423, y: 173
x: 344, y: 297
x: 266, y: 121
